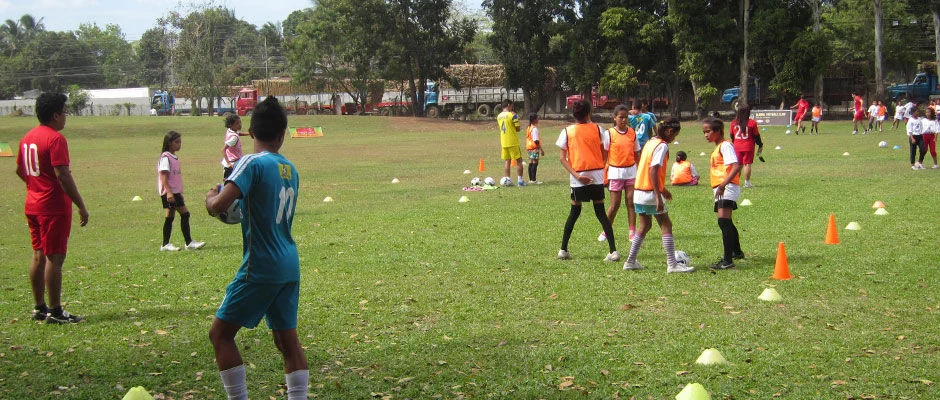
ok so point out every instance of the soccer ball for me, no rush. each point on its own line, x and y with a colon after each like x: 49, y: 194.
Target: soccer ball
x: 233, y: 214
x: 505, y: 181
x: 476, y: 181
x: 489, y: 181
x: 882, y: 144
x: 682, y: 258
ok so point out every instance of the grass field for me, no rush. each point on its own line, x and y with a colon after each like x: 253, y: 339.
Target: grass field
x: 408, y: 293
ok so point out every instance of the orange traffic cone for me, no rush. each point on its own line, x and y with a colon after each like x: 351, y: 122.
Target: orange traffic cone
x: 781, y: 267
x: 481, y: 166
x: 832, y: 234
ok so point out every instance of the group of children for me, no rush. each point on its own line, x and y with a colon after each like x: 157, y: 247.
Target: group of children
x: 635, y: 166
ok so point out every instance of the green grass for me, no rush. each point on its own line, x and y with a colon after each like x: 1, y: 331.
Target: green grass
x: 409, y: 294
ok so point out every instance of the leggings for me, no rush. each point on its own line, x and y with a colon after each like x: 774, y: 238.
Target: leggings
x: 917, y: 144
x: 930, y: 141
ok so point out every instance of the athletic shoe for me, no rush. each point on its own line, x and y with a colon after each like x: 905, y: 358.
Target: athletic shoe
x: 748, y: 184
x: 520, y: 183
x: 855, y: 132
x: 169, y: 247
x: 737, y: 255
x: 679, y: 268
x: 40, y: 313
x: 935, y: 166
x: 535, y: 182
x: 64, y: 318
x: 632, y: 266
x: 613, y: 257
x: 194, y: 245
x: 602, y: 237
x: 722, y: 264
x: 564, y: 255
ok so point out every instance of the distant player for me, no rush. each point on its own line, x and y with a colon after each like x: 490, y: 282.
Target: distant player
x: 232, y: 148
x: 817, y: 117
x: 267, y: 285
x: 872, y: 117
x: 745, y: 135
x: 801, y: 107
x: 683, y: 171
x: 508, y: 123
x: 533, y: 147
x: 642, y: 123
x: 859, y: 113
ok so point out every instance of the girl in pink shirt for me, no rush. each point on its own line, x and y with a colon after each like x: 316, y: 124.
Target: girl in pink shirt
x: 232, y: 150
x: 170, y: 187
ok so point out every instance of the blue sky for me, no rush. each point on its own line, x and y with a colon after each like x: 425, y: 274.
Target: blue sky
x: 136, y: 16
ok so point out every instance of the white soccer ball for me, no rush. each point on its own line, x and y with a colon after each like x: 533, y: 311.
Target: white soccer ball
x: 788, y: 131
x: 489, y: 181
x: 882, y: 144
x: 476, y: 181
x: 505, y: 181
x: 233, y: 214
x: 682, y: 258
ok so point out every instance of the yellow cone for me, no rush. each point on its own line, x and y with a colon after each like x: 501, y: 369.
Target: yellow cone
x: 878, y: 204
x: 327, y: 199
x: 853, y: 226
x: 136, y: 198
x: 137, y: 393
x: 693, y: 391
x: 845, y: 154
x: 711, y: 357
x: 466, y: 171
x: 770, y: 294
x: 702, y: 154
x: 463, y: 199
x: 395, y: 180
x: 746, y: 202
x: 881, y: 211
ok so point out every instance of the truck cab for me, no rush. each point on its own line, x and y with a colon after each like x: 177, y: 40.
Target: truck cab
x: 597, y: 101
x: 246, y: 101
x: 732, y: 95
x: 163, y: 103
x: 924, y: 87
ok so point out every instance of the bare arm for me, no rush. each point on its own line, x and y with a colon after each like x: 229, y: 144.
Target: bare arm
x: 735, y: 170
x: 64, y: 175
x: 563, y: 157
x: 217, y: 202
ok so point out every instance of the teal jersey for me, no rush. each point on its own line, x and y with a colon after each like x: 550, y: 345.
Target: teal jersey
x: 268, y: 183
x: 643, y: 124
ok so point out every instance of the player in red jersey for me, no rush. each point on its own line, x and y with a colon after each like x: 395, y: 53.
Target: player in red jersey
x: 43, y: 164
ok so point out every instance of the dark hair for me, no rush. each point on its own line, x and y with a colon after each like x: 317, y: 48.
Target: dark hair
x: 681, y: 155
x: 581, y: 109
x: 231, y: 119
x: 48, y: 104
x: 533, y: 117
x: 268, y: 120
x: 716, y: 125
x: 619, y: 108
x: 743, y: 114
x: 668, y: 123
x: 507, y: 103
x: 931, y: 113
x: 168, y: 140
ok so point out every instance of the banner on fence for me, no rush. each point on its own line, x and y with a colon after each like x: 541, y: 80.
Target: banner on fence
x: 307, y: 132
x: 772, y: 117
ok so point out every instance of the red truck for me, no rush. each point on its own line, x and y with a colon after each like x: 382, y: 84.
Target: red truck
x: 602, y: 101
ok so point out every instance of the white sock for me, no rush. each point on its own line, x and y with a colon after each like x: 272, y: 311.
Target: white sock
x: 669, y: 247
x: 297, y: 382
x: 233, y: 379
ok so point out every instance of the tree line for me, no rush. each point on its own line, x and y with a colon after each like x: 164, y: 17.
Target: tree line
x: 626, y: 48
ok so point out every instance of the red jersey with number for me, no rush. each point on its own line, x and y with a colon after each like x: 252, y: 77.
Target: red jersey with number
x: 41, y: 150
x: 743, y: 139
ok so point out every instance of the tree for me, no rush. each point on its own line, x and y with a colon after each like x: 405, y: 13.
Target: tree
x: 77, y: 99
x: 53, y: 60
x: 114, y: 56
x: 154, y: 54
x: 520, y: 38
x: 879, y: 31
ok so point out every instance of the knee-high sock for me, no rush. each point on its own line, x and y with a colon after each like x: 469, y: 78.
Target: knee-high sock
x: 601, y: 215
x: 167, y: 229
x: 635, y: 248
x: 669, y: 246
x: 233, y: 380
x: 184, y: 224
x: 573, y: 215
x: 729, y: 237
x: 297, y: 382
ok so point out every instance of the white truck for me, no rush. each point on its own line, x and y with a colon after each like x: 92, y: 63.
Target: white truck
x: 482, y: 101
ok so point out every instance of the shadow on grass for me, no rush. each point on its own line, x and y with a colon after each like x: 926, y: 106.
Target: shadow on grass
x: 150, y: 314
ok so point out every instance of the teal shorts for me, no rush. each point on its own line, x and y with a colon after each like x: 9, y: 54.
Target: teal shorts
x: 648, y: 209
x: 245, y: 303
x: 534, y: 154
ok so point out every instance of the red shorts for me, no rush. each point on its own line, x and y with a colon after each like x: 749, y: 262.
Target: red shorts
x: 859, y: 116
x: 800, y: 116
x: 50, y: 233
x: 745, y: 157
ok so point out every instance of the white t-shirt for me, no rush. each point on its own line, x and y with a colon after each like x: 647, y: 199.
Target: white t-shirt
x: 929, y: 126
x: 907, y: 109
x: 732, y: 191
x: 872, y: 110
x: 535, y: 134
x: 624, y: 172
x: 596, y: 175
x: 915, y: 127
x: 659, y: 158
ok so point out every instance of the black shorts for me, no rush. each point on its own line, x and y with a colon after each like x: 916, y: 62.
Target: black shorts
x: 177, y: 197
x: 726, y: 204
x: 588, y: 193
x: 226, y: 171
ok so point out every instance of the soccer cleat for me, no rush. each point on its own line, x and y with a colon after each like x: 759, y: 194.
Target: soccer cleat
x: 739, y: 255
x: 602, y: 237
x: 722, y: 264
x: 679, y: 269
x: 935, y: 166
x: 194, y: 245
x: 40, y: 313
x: 855, y: 132
x: 169, y: 247
x: 748, y: 184
x: 64, y: 318
x: 632, y: 266
x: 613, y: 257
x: 520, y: 183
x: 535, y: 182
x: 564, y: 255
